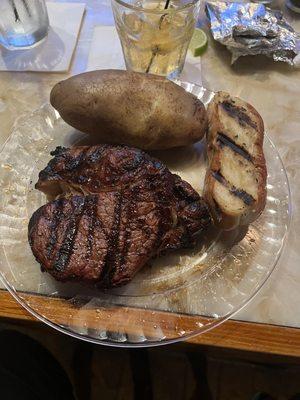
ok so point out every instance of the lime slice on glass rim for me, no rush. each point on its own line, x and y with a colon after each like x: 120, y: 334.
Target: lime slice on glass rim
x: 198, y: 42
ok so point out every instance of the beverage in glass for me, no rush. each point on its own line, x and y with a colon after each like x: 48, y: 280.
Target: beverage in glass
x: 23, y: 23
x: 154, y: 34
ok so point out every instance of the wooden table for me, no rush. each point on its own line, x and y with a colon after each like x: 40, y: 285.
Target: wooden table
x: 259, y: 339
x: 275, y: 90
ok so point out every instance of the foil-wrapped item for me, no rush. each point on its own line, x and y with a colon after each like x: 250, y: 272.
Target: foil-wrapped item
x: 250, y: 29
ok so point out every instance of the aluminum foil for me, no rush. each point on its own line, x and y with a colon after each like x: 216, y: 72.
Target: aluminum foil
x: 250, y: 29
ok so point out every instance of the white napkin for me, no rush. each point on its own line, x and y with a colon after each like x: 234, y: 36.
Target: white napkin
x: 106, y: 53
x: 55, y: 53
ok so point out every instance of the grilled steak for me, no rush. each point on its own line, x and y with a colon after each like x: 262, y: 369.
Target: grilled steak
x: 91, y: 169
x: 117, y: 208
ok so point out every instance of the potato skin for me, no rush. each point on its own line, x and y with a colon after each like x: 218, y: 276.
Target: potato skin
x: 136, y: 109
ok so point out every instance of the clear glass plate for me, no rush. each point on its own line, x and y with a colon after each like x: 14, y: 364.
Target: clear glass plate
x: 179, y: 295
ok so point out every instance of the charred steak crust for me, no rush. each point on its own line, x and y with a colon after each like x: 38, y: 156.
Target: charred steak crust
x: 99, y: 168
x: 118, y: 208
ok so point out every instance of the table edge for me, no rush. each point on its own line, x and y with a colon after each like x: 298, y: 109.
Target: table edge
x: 233, y: 334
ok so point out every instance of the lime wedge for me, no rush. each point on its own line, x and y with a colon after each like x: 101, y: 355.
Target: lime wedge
x: 198, y: 42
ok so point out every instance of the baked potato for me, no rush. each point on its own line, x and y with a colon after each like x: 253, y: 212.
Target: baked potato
x: 121, y: 107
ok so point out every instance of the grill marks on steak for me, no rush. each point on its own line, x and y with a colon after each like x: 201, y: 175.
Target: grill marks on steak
x: 127, y: 209
x: 91, y: 169
x: 106, y: 245
x: 76, y: 255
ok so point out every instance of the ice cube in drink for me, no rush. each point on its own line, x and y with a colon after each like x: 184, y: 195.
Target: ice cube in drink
x: 155, y: 42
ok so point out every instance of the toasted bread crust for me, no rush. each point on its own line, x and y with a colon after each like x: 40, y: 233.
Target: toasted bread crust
x: 235, y: 137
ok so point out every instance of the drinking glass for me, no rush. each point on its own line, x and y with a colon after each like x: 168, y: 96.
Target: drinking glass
x: 23, y: 23
x: 155, y: 34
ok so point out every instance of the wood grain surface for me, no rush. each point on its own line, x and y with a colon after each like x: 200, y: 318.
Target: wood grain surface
x: 234, y: 335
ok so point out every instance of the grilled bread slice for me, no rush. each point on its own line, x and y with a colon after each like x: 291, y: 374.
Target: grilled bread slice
x: 235, y: 182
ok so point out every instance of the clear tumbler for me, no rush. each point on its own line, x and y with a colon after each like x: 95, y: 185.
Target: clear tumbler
x: 23, y: 23
x: 155, y: 34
